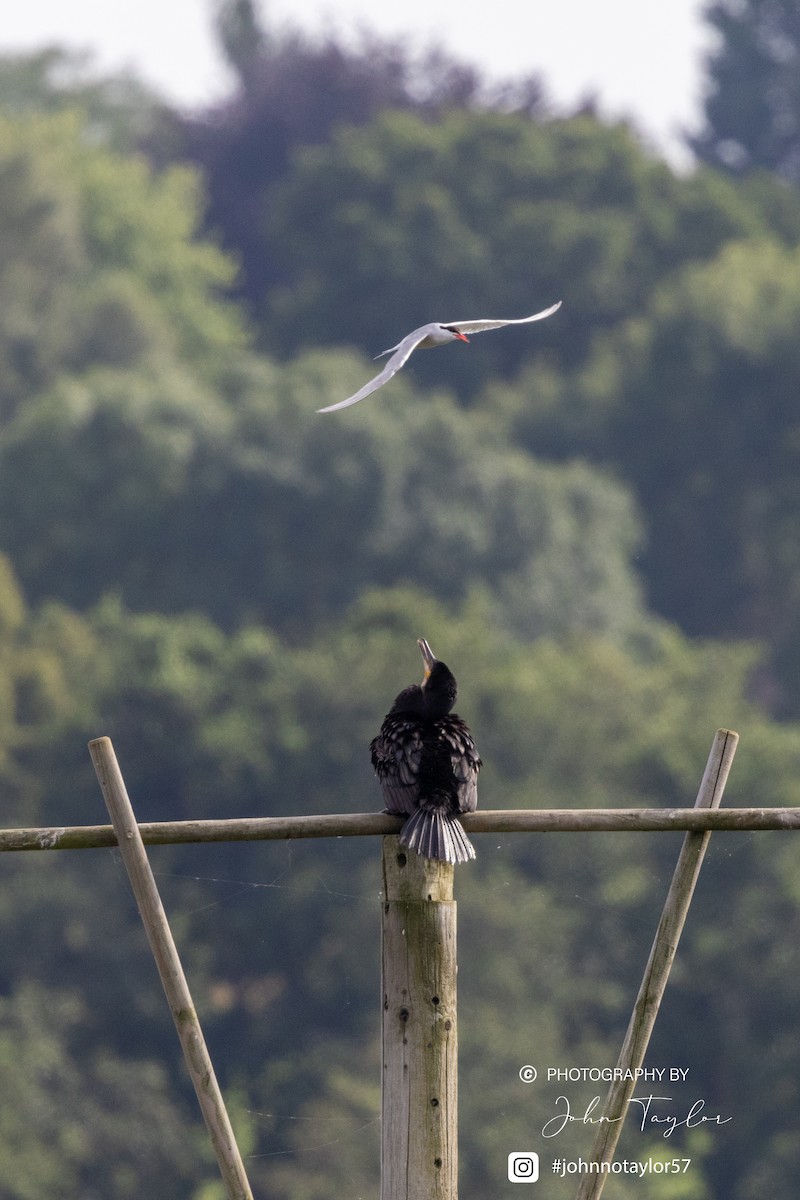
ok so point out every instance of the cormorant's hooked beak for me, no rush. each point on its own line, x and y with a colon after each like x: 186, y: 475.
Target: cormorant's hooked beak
x: 428, y: 657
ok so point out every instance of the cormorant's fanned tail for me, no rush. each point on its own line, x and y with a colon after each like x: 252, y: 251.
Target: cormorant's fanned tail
x: 436, y: 834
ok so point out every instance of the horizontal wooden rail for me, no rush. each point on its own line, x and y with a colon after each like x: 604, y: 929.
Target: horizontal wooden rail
x: 515, y: 820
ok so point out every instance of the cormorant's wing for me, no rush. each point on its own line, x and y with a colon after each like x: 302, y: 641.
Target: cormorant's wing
x: 465, y: 762
x: 396, y: 756
x: 480, y: 326
x: 402, y: 352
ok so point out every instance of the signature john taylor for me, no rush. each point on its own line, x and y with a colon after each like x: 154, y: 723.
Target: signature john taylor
x: 647, y: 1116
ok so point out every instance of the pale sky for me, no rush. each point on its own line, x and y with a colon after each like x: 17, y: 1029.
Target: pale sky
x: 641, y: 58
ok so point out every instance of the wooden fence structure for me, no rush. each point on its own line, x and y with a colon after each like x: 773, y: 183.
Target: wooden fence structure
x: 419, y: 1159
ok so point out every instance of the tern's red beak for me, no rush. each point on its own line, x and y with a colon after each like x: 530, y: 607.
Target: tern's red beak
x: 461, y: 338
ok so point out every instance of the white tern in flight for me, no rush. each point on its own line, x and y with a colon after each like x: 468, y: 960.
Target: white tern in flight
x: 424, y: 337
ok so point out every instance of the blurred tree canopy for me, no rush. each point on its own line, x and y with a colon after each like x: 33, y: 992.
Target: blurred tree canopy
x: 554, y: 930
x: 695, y: 403
x: 295, y: 91
x: 410, y: 220
x: 752, y: 105
x: 98, y: 261
x: 277, y: 499
x: 119, y: 110
x: 595, y: 525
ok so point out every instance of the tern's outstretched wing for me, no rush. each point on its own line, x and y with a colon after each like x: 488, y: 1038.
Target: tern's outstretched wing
x: 480, y: 326
x: 403, y: 350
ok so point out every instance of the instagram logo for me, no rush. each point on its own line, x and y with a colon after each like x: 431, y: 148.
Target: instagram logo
x: 523, y: 1167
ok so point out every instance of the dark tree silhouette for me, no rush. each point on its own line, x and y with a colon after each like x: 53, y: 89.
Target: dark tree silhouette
x: 292, y: 91
x: 752, y: 107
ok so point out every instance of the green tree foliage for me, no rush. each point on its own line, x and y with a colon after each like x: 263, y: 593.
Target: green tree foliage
x: 119, y: 110
x: 231, y: 587
x: 696, y: 405
x: 41, y: 255
x: 408, y: 220
x: 294, y: 91
x: 752, y: 106
x: 98, y: 261
x: 278, y: 498
x: 82, y: 1121
x: 554, y: 930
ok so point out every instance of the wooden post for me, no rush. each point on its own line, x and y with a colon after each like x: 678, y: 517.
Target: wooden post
x: 658, y: 966
x: 169, y: 966
x: 419, y: 1151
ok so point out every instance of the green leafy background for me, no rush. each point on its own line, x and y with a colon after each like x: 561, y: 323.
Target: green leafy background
x: 593, y: 520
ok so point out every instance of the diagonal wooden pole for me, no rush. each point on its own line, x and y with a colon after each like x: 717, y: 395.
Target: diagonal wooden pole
x: 658, y: 967
x: 169, y: 966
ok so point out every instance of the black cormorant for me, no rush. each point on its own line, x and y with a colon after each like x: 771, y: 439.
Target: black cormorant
x: 427, y: 765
